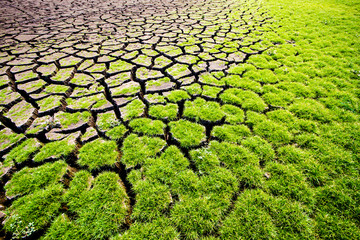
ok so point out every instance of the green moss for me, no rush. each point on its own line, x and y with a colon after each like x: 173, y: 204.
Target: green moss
x: 136, y: 149
x: 55, y: 149
x: 187, y: 133
x: 177, y: 96
x: 168, y: 111
x: 33, y: 212
x: 204, y: 110
x: 147, y: 126
x: 231, y: 133
x: 97, y: 154
x: 246, y: 99
x: 22, y: 152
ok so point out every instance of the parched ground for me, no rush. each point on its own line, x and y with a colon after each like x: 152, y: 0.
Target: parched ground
x: 190, y: 119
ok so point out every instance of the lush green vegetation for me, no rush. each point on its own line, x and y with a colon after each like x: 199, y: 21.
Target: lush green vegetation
x: 98, y: 153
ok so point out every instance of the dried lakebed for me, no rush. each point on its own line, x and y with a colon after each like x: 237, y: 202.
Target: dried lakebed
x: 179, y: 119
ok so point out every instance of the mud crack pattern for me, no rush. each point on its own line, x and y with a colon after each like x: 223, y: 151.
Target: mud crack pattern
x: 125, y: 116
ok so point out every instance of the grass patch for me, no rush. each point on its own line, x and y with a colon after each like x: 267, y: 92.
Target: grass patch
x: 43, y: 205
x: 246, y: 99
x: 204, y: 110
x: 29, y: 180
x: 166, y: 112
x: 100, y: 211
x: 136, y: 149
x: 231, y: 133
x: 55, y: 149
x: 98, y: 153
x: 147, y: 126
x: 22, y: 152
x: 187, y: 133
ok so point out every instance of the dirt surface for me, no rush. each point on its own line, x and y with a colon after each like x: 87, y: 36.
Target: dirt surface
x: 44, y: 20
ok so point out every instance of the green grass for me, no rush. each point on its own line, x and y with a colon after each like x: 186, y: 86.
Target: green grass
x: 200, y: 109
x: 177, y: 96
x: 246, y: 99
x: 104, y: 207
x: 166, y: 112
x: 22, y: 152
x: 187, y: 133
x: 147, y: 126
x: 29, y: 180
x: 137, y: 149
x: 261, y: 216
x: 54, y: 149
x: 158, y: 229
x: 98, y: 153
x: 133, y: 109
x: 231, y: 133
x: 34, y: 211
x: 68, y: 119
x: 117, y: 132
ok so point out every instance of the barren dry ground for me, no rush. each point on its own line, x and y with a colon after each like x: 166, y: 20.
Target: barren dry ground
x: 190, y: 119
